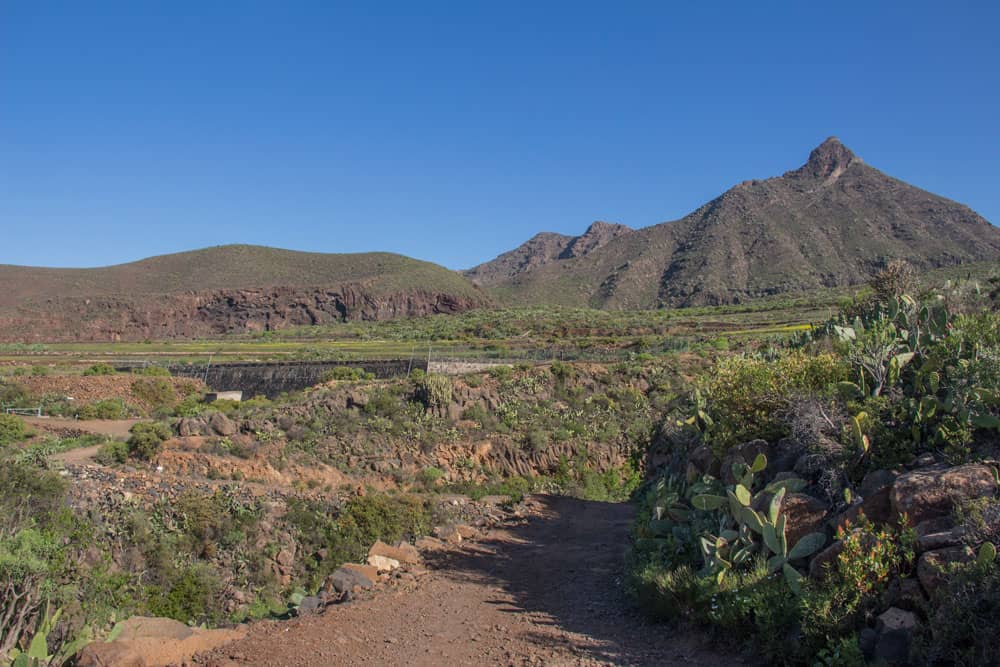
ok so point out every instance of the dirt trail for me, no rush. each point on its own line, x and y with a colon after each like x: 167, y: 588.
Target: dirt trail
x: 547, y: 591
x: 116, y: 428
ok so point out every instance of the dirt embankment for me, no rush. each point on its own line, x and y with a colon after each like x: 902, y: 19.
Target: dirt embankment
x: 87, y: 389
x: 210, y: 313
x: 545, y: 591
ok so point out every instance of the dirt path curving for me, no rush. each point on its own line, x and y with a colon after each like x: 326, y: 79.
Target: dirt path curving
x: 545, y: 592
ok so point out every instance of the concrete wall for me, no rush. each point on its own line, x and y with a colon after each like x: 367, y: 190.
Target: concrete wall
x: 274, y: 378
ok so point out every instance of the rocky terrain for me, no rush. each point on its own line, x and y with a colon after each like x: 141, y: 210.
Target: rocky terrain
x: 832, y: 222
x: 222, y: 290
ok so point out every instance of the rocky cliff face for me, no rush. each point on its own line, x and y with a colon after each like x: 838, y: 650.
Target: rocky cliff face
x: 544, y: 249
x: 216, y: 312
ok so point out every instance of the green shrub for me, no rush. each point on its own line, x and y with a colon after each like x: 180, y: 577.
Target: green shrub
x: 835, y: 606
x: 100, y: 369
x: 501, y: 373
x: 13, y: 395
x: 146, y: 440
x: 749, y: 398
x: 155, y: 392
x: 962, y: 629
x: 192, y: 594
x: 112, y: 453
x: 12, y: 429
x: 348, y: 532
x: 152, y: 371
x: 40, y: 371
x: 346, y: 374
x: 429, y: 477
x: 108, y: 408
x: 536, y: 441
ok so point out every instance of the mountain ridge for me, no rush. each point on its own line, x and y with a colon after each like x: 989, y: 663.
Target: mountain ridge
x: 220, y: 290
x: 830, y: 222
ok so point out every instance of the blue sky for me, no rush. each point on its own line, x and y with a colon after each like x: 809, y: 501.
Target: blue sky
x: 452, y: 131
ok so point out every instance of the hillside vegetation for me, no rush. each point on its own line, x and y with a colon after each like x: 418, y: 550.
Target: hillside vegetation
x: 232, y: 267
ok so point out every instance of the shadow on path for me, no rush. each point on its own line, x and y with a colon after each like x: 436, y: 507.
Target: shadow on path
x: 566, y: 568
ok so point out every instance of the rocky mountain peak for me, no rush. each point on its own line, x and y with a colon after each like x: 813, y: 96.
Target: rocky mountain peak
x: 597, y: 235
x: 828, y: 159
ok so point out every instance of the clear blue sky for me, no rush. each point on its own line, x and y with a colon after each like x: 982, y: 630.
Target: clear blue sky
x: 452, y: 131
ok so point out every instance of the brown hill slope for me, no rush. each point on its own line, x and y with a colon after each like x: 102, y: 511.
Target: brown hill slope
x: 829, y: 223
x: 222, y: 290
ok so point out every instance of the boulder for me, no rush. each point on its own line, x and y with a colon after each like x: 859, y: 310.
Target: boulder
x: 467, y: 532
x: 932, y: 568
x: 810, y: 465
x: 383, y: 564
x: 309, y: 605
x: 784, y: 455
x: 370, y: 572
x: 402, y: 552
x: 344, y: 580
x: 933, y: 492
x: 905, y: 594
x: 867, y: 639
x: 156, y: 642
x: 221, y: 424
x: 109, y: 654
x: 825, y: 559
x: 428, y: 543
x: 875, y: 492
x: 191, y: 426
x: 934, y: 534
x: 703, y: 462
x: 804, y: 514
x: 448, y: 534
x: 895, y: 628
x: 873, y: 500
x: 285, y: 558
x: 745, y: 453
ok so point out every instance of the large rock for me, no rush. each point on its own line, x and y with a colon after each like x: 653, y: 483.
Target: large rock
x: 895, y: 630
x: 825, y: 560
x: 702, y: 461
x: 345, y: 579
x: 873, y: 500
x: 109, y: 654
x: 784, y: 455
x: 192, y: 426
x: 744, y: 453
x: 933, y: 566
x: 448, y: 534
x: 934, y: 534
x: 933, y: 492
x: 155, y: 642
x: 383, y: 564
x: 221, y: 424
x: 402, y: 552
x: 804, y: 514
